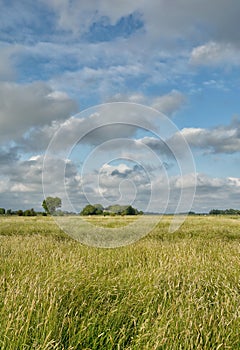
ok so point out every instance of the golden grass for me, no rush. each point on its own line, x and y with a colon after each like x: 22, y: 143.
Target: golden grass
x: 168, y: 291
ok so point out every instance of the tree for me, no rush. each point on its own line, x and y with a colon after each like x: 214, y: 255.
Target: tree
x: 92, y: 210
x: 9, y: 212
x: 97, y: 209
x: 224, y: 212
x: 216, y: 212
x: 30, y: 212
x: 50, y: 204
x: 2, y: 211
x: 130, y: 211
x: 232, y: 211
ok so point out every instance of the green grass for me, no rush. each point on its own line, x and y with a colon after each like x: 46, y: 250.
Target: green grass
x: 168, y: 291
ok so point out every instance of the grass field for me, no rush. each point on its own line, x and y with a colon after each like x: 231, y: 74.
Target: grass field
x: 167, y: 291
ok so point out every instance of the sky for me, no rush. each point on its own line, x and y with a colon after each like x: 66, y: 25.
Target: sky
x: 129, y: 102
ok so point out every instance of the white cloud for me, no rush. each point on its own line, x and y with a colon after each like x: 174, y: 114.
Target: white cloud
x: 222, y: 139
x: 215, y: 54
x: 216, y: 192
x: 21, y: 182
x: 235, y: 181
x: 99, y: 81
x: 134, y: 98
x: 93, y: 127
x: 58, y: 96
x: 167, y: 104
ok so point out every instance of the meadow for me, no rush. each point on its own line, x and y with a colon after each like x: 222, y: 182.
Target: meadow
x: 167, y: 291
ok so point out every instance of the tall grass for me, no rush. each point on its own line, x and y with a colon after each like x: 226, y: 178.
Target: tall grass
x: 167, y: 291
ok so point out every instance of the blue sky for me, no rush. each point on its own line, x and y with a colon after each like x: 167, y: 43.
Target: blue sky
x: 60, y: 57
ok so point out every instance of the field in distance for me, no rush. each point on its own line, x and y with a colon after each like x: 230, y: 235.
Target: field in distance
x: 175, y: 291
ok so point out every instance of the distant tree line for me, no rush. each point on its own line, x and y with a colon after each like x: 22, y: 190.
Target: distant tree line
x: 224, y: 212
x: 217, y: 212
x: 20, y: 212
x: 51, y: 205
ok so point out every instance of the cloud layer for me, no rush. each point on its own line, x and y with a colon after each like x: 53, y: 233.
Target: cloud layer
x: 30, y: 106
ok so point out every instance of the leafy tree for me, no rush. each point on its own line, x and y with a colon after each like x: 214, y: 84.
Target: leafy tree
x: 123, y: 210
x: 2, y: 211
x: 98, y: 211
x: 130, y: 211
x: 216, y: 212
x: 91, y: 210
x: 50, y: 204
x: 20, y: 212
x: 9, y: 212
x: 29, y: 212
x: 232, y: 211
x: 33, y: 213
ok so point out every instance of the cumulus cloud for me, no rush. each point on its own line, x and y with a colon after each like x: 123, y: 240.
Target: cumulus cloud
x: 23, y: 107
x: 213, y: 192
x: 215, y: 54
x: 222, y: 139
x: 94, y: 126
x: 21, y: 182
x: 169, y: 103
